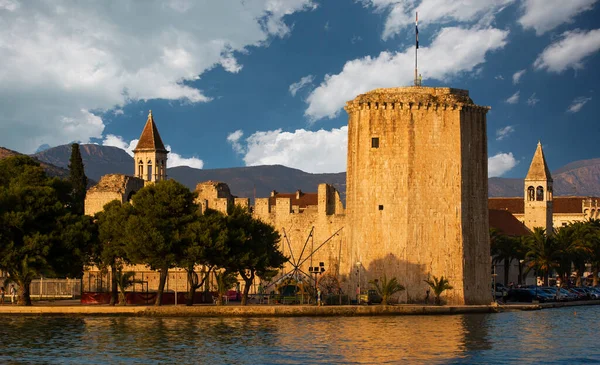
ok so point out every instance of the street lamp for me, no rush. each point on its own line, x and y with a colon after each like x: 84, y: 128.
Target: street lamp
x: 317, y: 270
x: 358, y: 265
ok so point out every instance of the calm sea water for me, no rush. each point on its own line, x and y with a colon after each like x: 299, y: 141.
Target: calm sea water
x: 561, y: 336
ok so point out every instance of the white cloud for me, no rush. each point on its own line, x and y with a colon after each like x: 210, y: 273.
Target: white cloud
x: 514, y: 98
x: 119, y: 142
x: 532, y: 100
x: 401, y: 13
x: 504, y: 132
x: 545, y: 15
x: 577, y: 104
x: 319, y: 151
x: 234, y: 139
x: 296, y: 86
x: 9, y: 5
x: 517, y: 76
x: 570, y: 51
x: 62, y: 60
x: 453, y: 51
x: 499, y: 77
x: 500, y: 164
x: 310, y: 151
x: 174, y: 159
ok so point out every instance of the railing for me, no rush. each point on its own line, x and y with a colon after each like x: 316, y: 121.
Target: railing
x: 51, y: 288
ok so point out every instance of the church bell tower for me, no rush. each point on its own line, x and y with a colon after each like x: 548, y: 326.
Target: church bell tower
x: 150, y: 154
x: 538, y: 193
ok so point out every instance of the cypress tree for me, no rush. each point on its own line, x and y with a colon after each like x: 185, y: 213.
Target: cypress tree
x: 77, y: 179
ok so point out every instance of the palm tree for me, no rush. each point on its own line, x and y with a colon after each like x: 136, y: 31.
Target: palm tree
x: 438, y: 287
x: 589, y: 235
x: 124, y: 281
x: 386, y: 288
x: 503, y: 250
x: 543, y: 253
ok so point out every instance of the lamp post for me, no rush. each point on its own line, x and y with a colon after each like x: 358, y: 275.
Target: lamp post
x: 358, y: 265
x: 317, y: 270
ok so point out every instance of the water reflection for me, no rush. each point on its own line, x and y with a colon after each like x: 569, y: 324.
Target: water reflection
x: 553, y: 336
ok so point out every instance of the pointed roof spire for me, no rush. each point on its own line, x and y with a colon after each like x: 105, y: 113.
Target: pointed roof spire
x: 538, y: 170
x: 150, y: 139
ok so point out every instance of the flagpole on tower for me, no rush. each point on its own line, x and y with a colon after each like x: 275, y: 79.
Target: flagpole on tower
x: 417, y: 81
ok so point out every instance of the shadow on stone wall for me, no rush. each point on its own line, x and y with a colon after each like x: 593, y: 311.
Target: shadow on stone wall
x: 410, y: 275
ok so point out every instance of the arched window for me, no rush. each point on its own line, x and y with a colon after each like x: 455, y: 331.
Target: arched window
x: 141, y: 169
x: 539, y: 193
x: 531, y: 193
x: 162, y: 169
x: 149, y: 170
x: 549, y: 193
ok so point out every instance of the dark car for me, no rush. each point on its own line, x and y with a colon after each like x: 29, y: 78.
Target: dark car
x: 529, y: 295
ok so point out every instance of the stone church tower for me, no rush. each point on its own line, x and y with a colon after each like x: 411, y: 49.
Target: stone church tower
x: 538, y: 193
x: 417, y: 191
x: 150, y: 154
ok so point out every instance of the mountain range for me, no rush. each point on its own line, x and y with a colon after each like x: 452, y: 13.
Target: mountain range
x: 576, y: 178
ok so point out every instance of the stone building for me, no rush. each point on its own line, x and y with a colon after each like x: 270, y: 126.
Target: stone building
x: 417, y: 190
x: 416, y: 198
x: 537, y: 208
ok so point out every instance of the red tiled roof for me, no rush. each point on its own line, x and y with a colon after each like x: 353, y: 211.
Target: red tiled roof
x: 560, y: 204
x: 506, y: 223
x: 513, y: 205
x: 304, y: 201
x: 150, y: 139
x: 567, y: 204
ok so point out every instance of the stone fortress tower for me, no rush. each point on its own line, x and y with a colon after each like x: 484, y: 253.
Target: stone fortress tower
x: 538, y: 193
x: 416, y: 202
x: 150, y: 154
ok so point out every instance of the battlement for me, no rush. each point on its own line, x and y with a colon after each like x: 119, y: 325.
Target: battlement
x: 414, y: 97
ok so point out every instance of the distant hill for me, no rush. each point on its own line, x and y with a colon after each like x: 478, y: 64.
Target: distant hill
x: 97, y: 160
x: 243, y: 180
x: 576, y: 178
x: 50, y: 169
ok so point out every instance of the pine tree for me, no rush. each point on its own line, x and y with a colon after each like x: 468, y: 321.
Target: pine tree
x: 78, y: 179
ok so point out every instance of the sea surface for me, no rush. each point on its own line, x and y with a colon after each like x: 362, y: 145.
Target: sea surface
x: 552, y: 336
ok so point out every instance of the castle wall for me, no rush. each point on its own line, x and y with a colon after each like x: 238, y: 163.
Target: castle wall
x: 410, y: 198
x: 297, y: 242
x: 111, y: 187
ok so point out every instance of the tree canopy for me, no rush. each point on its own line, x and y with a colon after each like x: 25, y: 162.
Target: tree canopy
x: 39, y: 235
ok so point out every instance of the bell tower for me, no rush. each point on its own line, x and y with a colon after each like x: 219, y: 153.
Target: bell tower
x: 538, y: 193
x: 150, y: 154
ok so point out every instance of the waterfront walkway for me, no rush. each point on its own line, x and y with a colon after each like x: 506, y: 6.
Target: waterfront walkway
x: 73, y: 308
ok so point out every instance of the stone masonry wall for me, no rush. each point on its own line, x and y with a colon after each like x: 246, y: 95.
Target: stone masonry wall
x: 111, y: 187
x: 408, y: 198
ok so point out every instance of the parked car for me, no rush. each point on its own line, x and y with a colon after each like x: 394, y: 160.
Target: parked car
x: 500, y: 291
x: 529, y: 295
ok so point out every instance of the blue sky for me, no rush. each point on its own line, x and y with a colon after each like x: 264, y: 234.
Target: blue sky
x: 235, y: 83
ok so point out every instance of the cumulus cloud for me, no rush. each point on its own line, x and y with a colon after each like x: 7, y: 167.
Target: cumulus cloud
x: 504, y: 132
x: 500, y: 164
x: 545, y: 15
x: 577, y: 104
x: 517, y: 76
x: 65, y: 63
x: 453, y: 51
x: 569, y: 51
x: 174, y: 159
x: 296, y: 86
x: 532, y: 100
x: 401, y: 13
x: 318, y: 151
x: 310, y: 151
x: 514, y: 98
x: 234, y: 139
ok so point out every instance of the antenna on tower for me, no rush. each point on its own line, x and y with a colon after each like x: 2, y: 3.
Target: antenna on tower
x: 417, y: 76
